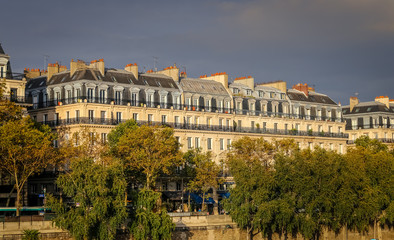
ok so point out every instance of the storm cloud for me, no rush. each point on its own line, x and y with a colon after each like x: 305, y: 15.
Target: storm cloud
x: 339, y: 46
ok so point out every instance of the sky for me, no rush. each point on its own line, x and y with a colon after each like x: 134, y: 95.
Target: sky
x: 342, y: 48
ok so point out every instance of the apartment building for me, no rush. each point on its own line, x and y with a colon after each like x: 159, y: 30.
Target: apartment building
x: 374, y: 119
x: 206, y: 112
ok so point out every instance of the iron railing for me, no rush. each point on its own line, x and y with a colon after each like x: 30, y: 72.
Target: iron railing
x: 199, y: 127
x: 185, y: 107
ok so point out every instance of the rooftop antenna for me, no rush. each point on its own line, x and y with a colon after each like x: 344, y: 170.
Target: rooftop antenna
x: 154, y: 63
x: 45, y: 61
x: 356, y: 94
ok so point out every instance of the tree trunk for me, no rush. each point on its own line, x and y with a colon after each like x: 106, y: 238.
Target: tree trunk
x: 203, y: 202
x: 188, y: 202
x: 17, y: 203
x: 374, y: 228
x: 9, y: 196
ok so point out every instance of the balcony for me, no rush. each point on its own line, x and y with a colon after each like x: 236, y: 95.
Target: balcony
x: 187, y: 107
x: 196, y: 127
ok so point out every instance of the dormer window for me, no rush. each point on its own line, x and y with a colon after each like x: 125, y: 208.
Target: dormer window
x: 272, y: 94
x: 130, y: 81
x: 261, y: 94
x: 158, y: 83
x: 248, y: 92
x: 235, y: 90
x: 98, y: 77
x: 145, y: 82
x: 114, y: 79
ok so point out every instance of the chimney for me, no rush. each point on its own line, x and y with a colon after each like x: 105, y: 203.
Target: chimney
x: 53, y: 68
x: 353, y: 102
x: 221, y: 77
x: 133, y: 68
x: 302, y: 87
x: 248, y: 81
x: 171, y: 71
x: 280, y: 84
x: 33, y: 73
x: 383, y: 99
x: 74, y: 66
x: 183, y: 75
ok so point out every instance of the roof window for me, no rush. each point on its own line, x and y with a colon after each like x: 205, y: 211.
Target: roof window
x: 114, y: 78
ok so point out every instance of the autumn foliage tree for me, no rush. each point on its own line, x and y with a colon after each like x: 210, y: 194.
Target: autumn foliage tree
x: 25, y: 149
x: 149, y: 150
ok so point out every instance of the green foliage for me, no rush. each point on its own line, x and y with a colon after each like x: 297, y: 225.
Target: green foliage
x: 202, y: 172
x: 307, y: 191
x: 149, y: 150
x: 31, y: 234
x: 99, y: 191
x: 149, y: 221
x: 120, y: 130
x: 249, y: 204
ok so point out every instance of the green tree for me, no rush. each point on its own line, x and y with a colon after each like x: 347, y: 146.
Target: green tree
x: 150, y: 150
x: 25, y: 149
x: 376, y: 168
x: 203, y: 173
x: 98, y: 190
x: 250, y: 163
x: 149, y: 220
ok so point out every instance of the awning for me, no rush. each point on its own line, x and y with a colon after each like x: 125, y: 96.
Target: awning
x: 198, y: 199
x: 225, y: 195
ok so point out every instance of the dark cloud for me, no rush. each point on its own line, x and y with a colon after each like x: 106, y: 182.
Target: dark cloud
x: 339, y: 46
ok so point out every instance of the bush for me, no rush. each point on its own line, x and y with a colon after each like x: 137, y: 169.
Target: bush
x: 31, y: 234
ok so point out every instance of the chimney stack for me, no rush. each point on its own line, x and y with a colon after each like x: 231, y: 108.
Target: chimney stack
x: 221, y: 77
x: 303, y: 88
x: 133, y: 68
x: 383, y: 99
x: 353, y: 102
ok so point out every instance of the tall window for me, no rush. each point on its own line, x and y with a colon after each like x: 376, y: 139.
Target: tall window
x: 102, y: 96
x: 221, y: 141
x: 163, y: 119
x: 197, y: 142
x: 118, y: 117
x: 102, y: 115
x: 150, y: 118
x: 103, y: 138
x: 133, y: 99
x: 91, y: 115
x: 189, y: 143
x: 118, y: 97
x: 176, y: 120
x: 135, y: 116
x: 90, y: 94
x: 209, y: 143
x: 77, y: 115
x: 68, y: 117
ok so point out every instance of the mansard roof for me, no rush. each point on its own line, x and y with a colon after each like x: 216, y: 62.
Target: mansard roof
x: 38, y: 82
x: 368, y: 107
x: 313, y: 97
x: 202, y: 86
x: 112, y: 76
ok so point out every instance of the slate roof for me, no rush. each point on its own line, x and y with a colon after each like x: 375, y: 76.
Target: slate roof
x: 197, y: 85
x: 313, y: 97
x: 368, y: 107
x: 111, y: 76
x: 36, y: 82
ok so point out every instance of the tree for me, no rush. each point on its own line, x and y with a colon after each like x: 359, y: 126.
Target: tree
x: 150, y: 150
x: 250, y: 163
x: 9, y: 111
x: 24, y: 150
x: 203, y: 172
x: 376, y: 166
x: 149, y: 220
x: 98, y: 191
